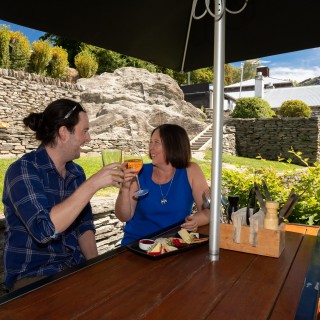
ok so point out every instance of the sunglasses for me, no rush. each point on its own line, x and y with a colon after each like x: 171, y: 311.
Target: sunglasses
x: 70, y: 112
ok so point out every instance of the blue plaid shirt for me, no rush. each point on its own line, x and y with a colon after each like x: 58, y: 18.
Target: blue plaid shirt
x: 32, y: 248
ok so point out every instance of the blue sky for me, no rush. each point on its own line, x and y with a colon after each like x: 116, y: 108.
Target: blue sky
x: 298, y: 65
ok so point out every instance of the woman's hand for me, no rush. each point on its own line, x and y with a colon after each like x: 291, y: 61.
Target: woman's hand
x: 191, y: 223
x: 128, y: 176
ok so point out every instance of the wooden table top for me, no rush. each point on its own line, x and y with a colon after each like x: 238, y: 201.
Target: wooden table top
x: 125, y: 285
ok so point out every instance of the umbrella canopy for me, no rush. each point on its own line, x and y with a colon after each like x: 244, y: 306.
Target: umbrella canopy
x: 156, y: 31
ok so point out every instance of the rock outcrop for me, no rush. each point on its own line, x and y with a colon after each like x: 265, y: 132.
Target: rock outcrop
x: 130, y: 102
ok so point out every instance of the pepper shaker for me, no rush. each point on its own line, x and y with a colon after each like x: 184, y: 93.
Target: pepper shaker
x: 271, y: 220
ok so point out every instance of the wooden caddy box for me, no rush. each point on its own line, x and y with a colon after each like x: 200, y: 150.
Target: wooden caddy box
x: 269, y: 242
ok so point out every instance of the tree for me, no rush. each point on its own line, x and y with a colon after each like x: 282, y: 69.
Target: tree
x: 86, y: 64
x: 58, y: 66
x: 249, y: 69
x: 108, y: 61
x: 204, y: 75
x: 40, y: 57
x: 71, y: 46
x: 229, y: 72
x: 20, y: 51
x: 4, y: 47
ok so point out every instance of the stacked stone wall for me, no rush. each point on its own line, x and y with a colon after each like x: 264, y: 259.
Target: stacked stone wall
x: 22, y: 93
x: 273, y: 138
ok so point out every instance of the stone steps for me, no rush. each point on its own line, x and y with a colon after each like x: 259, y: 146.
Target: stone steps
x: 201, y: 139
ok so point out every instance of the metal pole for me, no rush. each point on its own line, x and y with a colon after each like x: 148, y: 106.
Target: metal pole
x: 241, y: 79
x: 217, y: 132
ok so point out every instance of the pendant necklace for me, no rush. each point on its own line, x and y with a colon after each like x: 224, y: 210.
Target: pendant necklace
x: 164, y: 197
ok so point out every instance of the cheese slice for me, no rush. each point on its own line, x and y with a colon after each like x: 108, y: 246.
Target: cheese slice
x: 155, y: 248
x: 185, y: 235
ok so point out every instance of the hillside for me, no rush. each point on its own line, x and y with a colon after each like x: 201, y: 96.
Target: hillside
x: 311, y: 82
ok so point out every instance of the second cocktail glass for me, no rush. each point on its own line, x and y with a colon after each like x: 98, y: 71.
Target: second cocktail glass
x: 134, y: 160
x: 110, y: 156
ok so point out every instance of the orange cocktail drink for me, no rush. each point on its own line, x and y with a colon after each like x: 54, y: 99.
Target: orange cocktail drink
x: 135, y: 164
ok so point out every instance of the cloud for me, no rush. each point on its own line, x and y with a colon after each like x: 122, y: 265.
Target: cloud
x: 295, y: 74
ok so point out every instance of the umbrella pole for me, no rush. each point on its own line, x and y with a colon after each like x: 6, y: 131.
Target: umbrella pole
x: 217, y: 131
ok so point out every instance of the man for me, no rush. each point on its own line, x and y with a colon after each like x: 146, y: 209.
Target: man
x: 49, y: 221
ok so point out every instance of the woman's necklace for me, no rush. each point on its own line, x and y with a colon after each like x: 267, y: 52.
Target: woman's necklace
x: 164, y: 197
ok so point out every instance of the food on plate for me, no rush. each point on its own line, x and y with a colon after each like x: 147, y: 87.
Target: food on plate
x: 186, y: 236
x: 155, y: 249
x: 164, y: 245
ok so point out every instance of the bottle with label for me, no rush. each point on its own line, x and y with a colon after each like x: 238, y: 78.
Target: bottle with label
x: 271, y: 220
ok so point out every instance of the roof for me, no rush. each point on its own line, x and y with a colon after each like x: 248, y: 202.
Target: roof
x: 275, y: 97
x: 251, y: 82
x: 309, y: 94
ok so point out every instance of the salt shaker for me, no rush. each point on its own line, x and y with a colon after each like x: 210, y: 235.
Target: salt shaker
x: 271, y: 220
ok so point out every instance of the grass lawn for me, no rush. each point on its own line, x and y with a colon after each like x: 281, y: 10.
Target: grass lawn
x: 93, y: 164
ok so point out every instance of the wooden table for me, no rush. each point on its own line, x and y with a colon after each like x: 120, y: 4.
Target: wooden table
x: 123, y: 285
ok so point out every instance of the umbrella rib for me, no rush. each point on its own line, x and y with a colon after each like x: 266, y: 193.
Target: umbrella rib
x: 187, y: 39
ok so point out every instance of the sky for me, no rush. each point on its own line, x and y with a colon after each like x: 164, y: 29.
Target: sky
x: 296, y: 66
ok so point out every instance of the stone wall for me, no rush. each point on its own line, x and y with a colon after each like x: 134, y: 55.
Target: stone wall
x: 22, y: 93
x: 272, y: 138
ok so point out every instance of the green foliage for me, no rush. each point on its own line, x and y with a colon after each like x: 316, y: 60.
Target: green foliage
x: 252, y: 108
x: 137, y: 63
x: 180, y: 77
x: 241, y: 181
x: 305, y: 181
x: 4, y: 47
x: 294, y: 108
x: 108, y: 61
x: 58, y: 66
x: 4, y: 165
x: 86, y: 64
x: 229, y: 73
x: 249, y: 69
x: 40, y: 57
x: 20, y: 51
x: 204, y: 75
x: 73, y: 47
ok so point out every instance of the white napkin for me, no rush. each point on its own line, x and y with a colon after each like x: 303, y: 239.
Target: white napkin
x: 238, y: 219
x: 256, y: 222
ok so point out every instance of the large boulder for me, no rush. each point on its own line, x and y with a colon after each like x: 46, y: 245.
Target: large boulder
x: 130, y: 102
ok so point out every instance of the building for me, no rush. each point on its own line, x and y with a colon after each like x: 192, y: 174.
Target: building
x: 274, y: 91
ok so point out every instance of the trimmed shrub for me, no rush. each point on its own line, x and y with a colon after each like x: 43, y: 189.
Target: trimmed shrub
x: 58, y: 66
x: 20, y: 51
x: 252, y: 108
x: 4, y: 47
x: 86, y: 64
x: 40, y: 57
x: 295, y: 108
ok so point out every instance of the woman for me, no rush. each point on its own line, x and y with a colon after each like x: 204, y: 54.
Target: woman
x: 174, y: 182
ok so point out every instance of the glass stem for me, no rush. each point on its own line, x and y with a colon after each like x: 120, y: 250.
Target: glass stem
x: 138, y: 182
